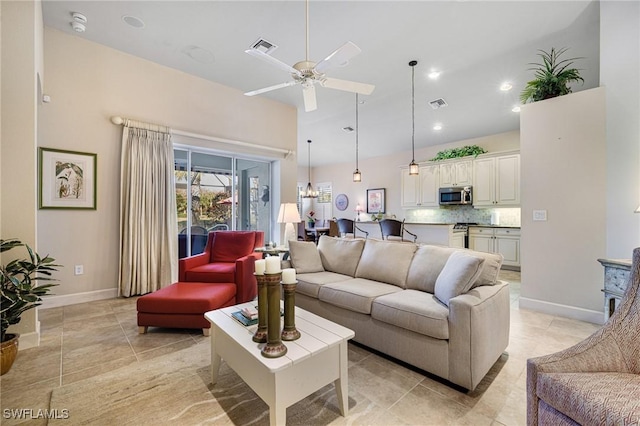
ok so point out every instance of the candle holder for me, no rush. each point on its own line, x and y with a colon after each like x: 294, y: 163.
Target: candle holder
x: 289, y: 332
x: 260, y: 336
x: 274, y: 347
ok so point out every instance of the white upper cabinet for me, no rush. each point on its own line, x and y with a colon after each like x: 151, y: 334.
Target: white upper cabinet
x: 456, y: 173
x: 421, y: 190
x: 496, y: 181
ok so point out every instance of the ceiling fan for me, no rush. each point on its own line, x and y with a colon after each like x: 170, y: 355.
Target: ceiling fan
x: 307, y: 73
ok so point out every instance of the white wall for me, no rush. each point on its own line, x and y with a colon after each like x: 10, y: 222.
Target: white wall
x: 620, y: 74
x: 384, y: 172
x: 21, y: 66
x: 88, y: 83
x: 563, y: 169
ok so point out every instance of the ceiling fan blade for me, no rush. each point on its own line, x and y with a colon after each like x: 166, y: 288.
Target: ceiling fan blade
x: 273, y: 61
x: 348, y: 86
x: 270, y: 88
x: 309, y: 94
x: 339, y: 58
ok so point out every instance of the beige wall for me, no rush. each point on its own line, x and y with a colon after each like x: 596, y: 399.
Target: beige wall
x: 88, y: 83
x: 21, y: 64
x: 384, y: 172
x: 563, y: 164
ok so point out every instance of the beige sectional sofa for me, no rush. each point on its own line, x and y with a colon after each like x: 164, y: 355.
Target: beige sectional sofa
x: 440, y: 309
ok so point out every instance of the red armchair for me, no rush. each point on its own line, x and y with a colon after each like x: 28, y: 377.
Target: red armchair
x: 229, y: 257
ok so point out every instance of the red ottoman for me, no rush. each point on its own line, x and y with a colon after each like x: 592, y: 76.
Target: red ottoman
x: 183, y: 305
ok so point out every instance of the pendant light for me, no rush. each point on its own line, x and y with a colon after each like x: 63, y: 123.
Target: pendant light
x: 309, y: 192
x: 357, y: 176
x: 414, y: 169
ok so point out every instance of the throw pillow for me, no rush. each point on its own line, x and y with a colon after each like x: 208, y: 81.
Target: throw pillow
x: 386, y: 261
x: 231, y: 245
x: 457, y: 276
x: 340, y: 255
x: 305, y: 257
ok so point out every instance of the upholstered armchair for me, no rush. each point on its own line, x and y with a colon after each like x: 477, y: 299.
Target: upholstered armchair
x: 597, y: 381
x: 229, y: 257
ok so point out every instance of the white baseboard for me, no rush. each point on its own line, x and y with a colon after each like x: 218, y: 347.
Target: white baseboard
x: 566, y: 311
x: 72, y: 299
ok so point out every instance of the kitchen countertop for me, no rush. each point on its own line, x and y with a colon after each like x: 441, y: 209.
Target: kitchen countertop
x: 496, y: 226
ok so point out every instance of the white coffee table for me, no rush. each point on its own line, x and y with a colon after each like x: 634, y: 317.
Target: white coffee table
x: 316, y: 359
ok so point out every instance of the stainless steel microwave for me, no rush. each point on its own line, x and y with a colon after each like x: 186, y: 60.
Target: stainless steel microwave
x: 456, y: 195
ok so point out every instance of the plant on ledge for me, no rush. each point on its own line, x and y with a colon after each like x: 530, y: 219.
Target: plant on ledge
x: 20, y: 292
x: 552, y: 77
x: 464, y: 151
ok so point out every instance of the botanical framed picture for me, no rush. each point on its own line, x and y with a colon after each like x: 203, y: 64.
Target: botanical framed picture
x: 67, y: 179
x: 375, y: 200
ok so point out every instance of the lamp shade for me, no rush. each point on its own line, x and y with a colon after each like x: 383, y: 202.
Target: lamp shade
x: 288, y: 213
x: 638, y: 210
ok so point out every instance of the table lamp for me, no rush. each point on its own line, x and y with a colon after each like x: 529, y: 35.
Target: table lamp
x: 289, y: 215
x: 358, y: 210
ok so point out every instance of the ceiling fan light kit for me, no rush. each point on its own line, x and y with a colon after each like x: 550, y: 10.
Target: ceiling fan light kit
x: 414, y: 169
x: 307, y: 73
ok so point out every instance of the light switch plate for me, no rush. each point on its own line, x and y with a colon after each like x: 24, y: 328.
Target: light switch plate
x: 539, y: 215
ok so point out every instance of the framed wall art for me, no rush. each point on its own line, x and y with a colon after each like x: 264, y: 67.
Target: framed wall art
x: 67, y: 179
x: 375, y: 200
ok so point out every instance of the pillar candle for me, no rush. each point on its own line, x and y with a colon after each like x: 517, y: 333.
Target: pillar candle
x: 260, y: 266
x: 272, y: 264
x: 288, y: 276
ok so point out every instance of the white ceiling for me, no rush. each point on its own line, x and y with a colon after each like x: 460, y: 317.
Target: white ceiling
x: 475, y: 44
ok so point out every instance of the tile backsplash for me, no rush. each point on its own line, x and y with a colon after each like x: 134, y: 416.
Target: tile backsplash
x: 454, y: 214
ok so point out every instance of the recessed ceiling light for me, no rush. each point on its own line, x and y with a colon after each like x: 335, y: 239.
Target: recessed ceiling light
x: 516, y: 108
x: 134, y: 21
x: 506, y: 86
x: 434, y: 74
x: 437, y: 126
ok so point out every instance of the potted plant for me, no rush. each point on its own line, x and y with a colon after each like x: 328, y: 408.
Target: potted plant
x: 20, y: 293
x: 552, y: 77
x: 311, y: 220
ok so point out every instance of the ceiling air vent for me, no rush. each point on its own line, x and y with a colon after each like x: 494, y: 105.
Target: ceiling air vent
x: 438, y: 103
x: 348, y: 129
x: 264, y: 46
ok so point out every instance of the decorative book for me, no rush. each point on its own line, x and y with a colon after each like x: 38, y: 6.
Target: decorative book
x: 242, y: 319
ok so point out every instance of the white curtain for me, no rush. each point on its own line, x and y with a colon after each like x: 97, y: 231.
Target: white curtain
x: 148, y: 220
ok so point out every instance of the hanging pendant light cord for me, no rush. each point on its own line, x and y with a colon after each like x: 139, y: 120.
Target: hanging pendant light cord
x: 356, y: 132
x: 309, y: 160
x: 413, y: 114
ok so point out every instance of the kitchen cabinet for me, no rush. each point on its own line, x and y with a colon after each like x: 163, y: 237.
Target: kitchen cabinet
x: 456, y: 173
x: 505, y: 241
x: 421, y: 190
x: 457, y: 240
x: 496, y: 181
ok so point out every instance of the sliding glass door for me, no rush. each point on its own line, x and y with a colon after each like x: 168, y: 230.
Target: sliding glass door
x: 219, y: 192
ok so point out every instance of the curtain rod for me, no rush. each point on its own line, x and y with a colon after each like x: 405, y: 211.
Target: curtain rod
x: 286, y: 152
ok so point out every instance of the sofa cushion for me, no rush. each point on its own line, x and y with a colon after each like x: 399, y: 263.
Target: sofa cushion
x: 426, y: 265
x: 413, y: 310
x: 309, y: 284
x: 593, y: 398
x: 229, y: 246
x: 221, y: 272
x: 356, y: 294
x: 457, y: 276
x: 491, y: 268
x: 305, y: 257
x: 340, y: 255
x: 386, y: 261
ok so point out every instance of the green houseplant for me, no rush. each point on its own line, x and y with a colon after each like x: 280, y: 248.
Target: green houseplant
x: 464, y: 151
x: 20, y: 292
x: 552, y: 77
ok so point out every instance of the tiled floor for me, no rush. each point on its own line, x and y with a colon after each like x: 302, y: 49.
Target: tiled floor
x: 87, y: 340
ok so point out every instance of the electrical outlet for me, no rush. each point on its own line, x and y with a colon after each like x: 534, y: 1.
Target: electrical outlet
x: 78, y: 270
x: 540, y: 215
